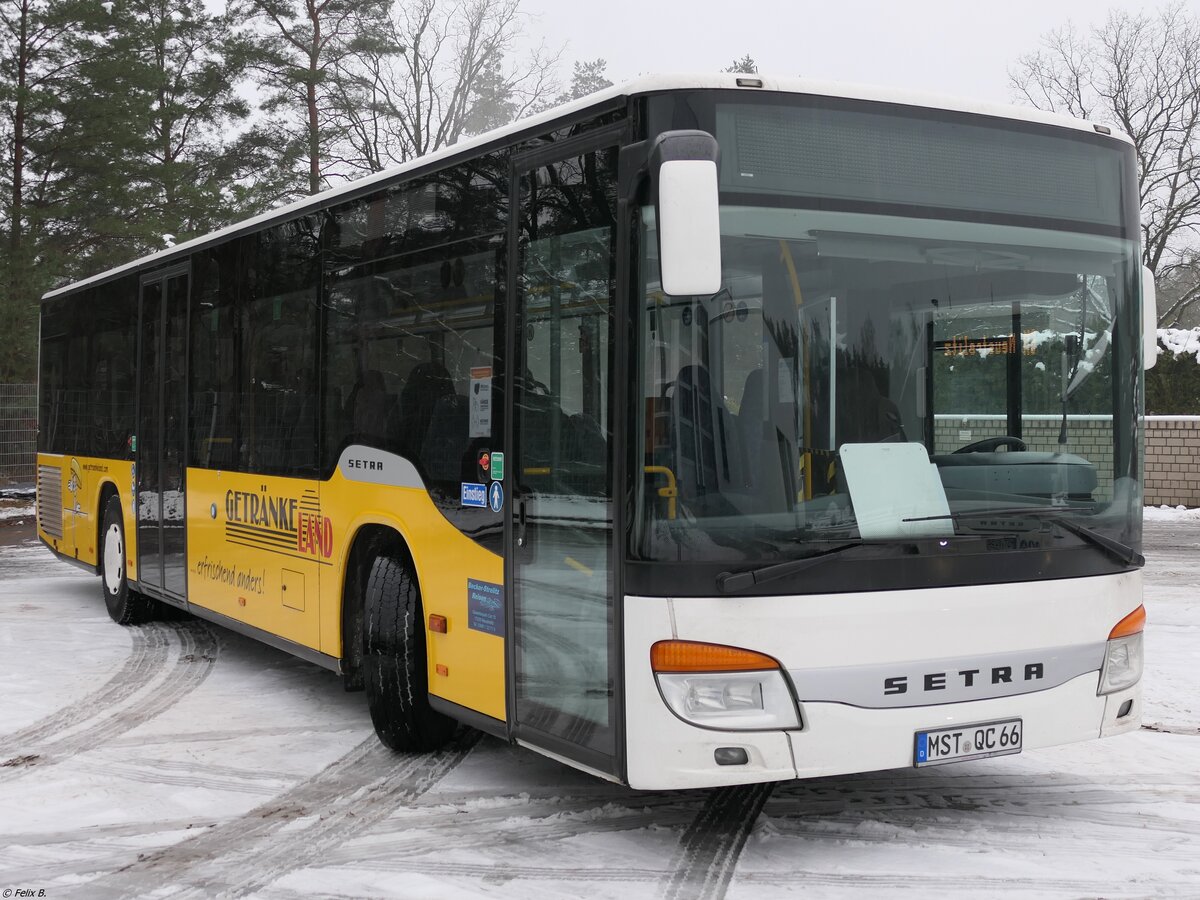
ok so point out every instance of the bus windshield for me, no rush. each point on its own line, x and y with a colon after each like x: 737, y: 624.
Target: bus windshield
x: 837, y: 329
x: 872, y: 377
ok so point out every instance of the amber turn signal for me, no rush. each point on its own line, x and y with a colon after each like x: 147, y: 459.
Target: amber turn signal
x: 437, y: 624
x: 693, y: 656
x: 1131, y: 624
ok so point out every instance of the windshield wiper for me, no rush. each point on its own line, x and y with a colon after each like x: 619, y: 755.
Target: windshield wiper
x: 1118, y: 551
x: 728, y: 582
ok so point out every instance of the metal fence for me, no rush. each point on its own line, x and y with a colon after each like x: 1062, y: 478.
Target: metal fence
x: 18, y: 434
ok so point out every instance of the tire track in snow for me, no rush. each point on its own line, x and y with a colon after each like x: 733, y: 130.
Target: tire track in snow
x: 913, y: 804
x: 945, y: 885
x: 488, y: 828
x: 291, y: 831
x: 87, y: 838
x: 189, y: 774
x: 852, y: 883
x: 239, y: 734
x: 144, y: 688
x: 147, y: 658
x: 710, y: 846
x: 30, y: 561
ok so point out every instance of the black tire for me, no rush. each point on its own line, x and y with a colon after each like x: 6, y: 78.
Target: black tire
x: 125, y: 606
x: 394, y: 661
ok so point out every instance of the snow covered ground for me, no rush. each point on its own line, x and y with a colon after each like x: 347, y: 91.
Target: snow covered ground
x: 181, y: 760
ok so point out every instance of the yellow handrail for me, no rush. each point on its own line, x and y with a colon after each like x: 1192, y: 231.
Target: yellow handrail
x: 671, y: 491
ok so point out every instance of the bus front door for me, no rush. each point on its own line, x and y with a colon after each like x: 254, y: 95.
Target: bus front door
x: 562, y: 649
x: 161, y: 432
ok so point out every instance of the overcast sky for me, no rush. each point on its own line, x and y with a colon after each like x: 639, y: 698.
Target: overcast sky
x: 962, y: 47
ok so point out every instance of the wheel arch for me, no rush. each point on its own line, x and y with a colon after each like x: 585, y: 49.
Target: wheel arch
x: 370, y: 540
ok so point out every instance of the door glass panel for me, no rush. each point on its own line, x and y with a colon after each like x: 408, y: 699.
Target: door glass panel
x: 562, y: 588
x: 174, y: 434
x: 149, y: 498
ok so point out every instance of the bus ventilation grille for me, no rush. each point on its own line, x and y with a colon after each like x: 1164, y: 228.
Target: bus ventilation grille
x: 49, y: 500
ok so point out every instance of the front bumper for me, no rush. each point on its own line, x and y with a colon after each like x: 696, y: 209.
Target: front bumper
x: 664, y: 752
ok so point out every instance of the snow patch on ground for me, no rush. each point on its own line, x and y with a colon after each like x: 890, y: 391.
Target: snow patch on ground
x: 181, y: 759
x: 15, y: 509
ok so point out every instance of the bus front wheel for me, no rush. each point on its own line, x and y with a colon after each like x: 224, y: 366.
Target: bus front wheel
x: 125, y: 606
x: 394, y: 661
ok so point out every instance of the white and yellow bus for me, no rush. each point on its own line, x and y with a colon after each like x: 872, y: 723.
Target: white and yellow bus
x: 705, y: 431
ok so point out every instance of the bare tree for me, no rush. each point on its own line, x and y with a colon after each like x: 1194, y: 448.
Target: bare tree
x: 455, y: 78
x: 1178, y: 285
x: 1142, y: 73
x: 303, y: 42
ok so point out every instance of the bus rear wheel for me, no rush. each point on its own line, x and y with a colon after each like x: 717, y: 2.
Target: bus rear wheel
x: 125, y: 606
x: 394, y: 661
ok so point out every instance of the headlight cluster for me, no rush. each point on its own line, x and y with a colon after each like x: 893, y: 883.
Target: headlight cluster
x: 1123, y: 655
x: 1122, y: 664
x: 715, y: 686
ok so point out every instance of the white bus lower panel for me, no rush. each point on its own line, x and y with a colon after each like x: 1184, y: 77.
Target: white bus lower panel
x: 837, y: 739
x: 666, y: 752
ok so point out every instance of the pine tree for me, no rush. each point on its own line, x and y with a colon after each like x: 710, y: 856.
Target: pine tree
x: 587, y: 78
x: 32, y: 65
x: 492, y: 103
x: 744, y: 66
x: 145, y: 146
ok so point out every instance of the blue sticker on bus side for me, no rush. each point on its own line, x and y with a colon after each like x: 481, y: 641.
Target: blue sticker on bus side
x: 474, y: 495
x: 496, y: 497
x: 485, y: 607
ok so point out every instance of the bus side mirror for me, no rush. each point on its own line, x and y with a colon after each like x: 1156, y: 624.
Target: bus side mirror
x: 1149, y: 320
x: 687, y: 210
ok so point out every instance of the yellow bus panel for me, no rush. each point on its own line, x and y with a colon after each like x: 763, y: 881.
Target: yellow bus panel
x: 249, y: 538
x: 81, y: 480
x: 471, y: 662
x: 272, y: 552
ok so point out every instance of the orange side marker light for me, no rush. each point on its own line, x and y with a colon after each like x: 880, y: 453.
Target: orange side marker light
x: 1131, y: 624
x: 437, y: 624
x: 694, y: 656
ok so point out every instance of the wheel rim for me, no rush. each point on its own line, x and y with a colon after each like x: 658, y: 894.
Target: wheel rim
x: 114, y: 567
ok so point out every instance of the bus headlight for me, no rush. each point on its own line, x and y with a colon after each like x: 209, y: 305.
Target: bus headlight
x: 1122, y: 664
x: 1123, y: 655
x: 715, y: 686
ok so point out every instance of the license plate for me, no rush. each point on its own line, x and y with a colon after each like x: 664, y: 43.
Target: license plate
x: 943, y: 745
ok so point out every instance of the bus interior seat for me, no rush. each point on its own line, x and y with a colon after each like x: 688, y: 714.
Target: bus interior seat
x: 865, y: 415
x: 701, y: 433
x: 765, y: 473
x: 427, y: 383
x: 751, y: 423
x: 373, y: 411
x: 445, y: 451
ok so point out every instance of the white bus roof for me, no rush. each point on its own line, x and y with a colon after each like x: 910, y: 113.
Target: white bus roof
x: 646, y: 84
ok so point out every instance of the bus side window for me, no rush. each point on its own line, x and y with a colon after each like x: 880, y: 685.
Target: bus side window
x: 279, y: 347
